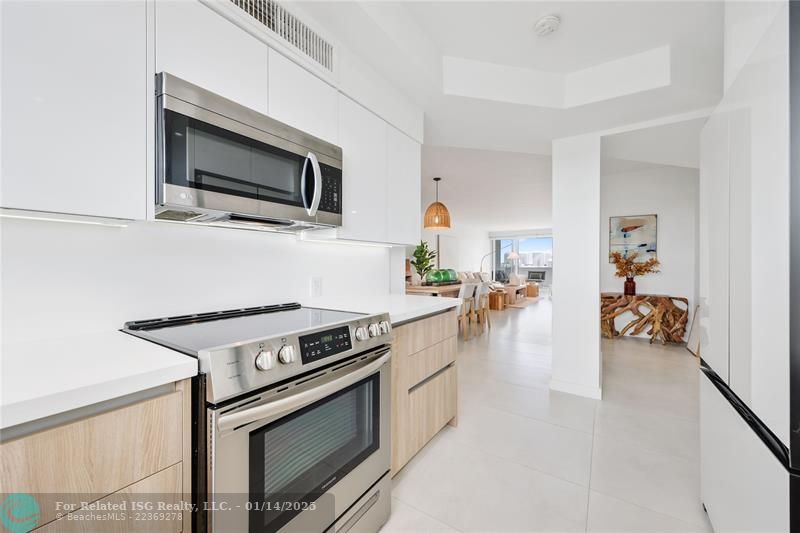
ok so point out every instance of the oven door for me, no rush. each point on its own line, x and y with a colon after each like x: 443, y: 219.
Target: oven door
x: 302, y: 457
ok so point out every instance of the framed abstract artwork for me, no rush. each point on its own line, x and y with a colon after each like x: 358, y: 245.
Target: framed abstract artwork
x: 629, y: 234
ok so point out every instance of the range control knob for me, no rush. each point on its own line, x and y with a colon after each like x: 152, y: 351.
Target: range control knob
x: 265, y: 360
x: 286, y: 355
x: 374, y: 330
x: 384, y: 325
x: 361, y: 333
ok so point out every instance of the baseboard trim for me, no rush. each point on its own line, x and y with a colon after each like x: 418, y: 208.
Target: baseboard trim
x: 595, y: 393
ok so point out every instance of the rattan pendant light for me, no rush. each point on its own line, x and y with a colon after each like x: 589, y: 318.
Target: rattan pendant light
x: 437, y: 216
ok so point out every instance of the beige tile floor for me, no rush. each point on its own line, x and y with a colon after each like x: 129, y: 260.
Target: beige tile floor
x: 524, y: 458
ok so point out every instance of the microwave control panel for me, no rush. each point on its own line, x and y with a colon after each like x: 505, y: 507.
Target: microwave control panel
x: 331, y: 199
x: 323, y: 344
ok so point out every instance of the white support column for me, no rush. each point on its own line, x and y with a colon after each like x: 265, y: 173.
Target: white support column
x: 576, y: 265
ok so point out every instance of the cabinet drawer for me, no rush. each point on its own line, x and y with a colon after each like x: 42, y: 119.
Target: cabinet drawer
x: 431, y: 404
x: 162, y: 487
x: 91, y: 458
x: 427, y: 362
x: 415, y: 336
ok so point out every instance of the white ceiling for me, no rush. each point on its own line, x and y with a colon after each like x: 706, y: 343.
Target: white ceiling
x: 590, y: 32
x: 408, y: 41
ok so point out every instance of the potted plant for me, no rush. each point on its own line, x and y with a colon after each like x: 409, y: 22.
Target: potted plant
x: 423, y: 259
x: 628, y: 268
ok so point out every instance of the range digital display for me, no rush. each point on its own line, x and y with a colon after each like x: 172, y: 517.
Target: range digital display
x: 324, y: 344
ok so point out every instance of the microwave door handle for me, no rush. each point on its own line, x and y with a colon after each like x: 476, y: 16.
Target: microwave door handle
x: 311, y: 207
x: 231, y: 421
x: 317, y: 184
x: 303, y: 185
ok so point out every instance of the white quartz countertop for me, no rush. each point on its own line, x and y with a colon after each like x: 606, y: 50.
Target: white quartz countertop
x: 401, y: 307
x: 40, y: 379
x: 47, y: 378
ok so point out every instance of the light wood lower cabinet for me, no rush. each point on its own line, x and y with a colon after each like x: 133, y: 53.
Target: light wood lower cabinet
x: 119, y: 511
x: 431, y: 405
x: 424, y: 383
x: 91, y: 458
x: 413, y: 337
x: 425, y: 363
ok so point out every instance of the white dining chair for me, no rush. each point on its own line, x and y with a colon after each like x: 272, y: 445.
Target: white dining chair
x: 482, y: 306
x: 466, y: 309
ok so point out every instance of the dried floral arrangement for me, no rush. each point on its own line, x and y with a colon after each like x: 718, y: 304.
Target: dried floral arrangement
x: 627, y: 267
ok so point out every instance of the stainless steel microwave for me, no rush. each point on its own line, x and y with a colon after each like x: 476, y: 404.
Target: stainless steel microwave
x: 220, y: 163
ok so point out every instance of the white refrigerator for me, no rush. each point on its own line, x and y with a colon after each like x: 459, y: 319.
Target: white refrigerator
x: 750, y: 276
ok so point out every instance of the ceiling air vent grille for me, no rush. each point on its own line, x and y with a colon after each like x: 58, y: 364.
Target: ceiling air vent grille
x: 276, y: 18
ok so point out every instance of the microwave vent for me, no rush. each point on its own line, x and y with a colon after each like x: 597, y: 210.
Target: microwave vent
x: 178, y: 216
x: 288, y: 27
x: 259, y: 221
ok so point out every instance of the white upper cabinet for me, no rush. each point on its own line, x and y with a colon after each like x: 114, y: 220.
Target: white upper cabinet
x: 381, y: 178
x: 302, y: 100
x: 403, y: 189
x: 363, y: 138
x: 202, y: 47
x: 74, y: 104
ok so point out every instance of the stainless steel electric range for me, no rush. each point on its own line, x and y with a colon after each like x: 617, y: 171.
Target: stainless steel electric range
x: 291, y: 416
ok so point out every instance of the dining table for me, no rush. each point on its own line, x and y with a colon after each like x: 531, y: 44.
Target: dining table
x: 431, y: 290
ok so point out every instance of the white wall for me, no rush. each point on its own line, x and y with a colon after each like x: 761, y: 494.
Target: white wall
x: 745, y: 24
x: 576, y: 254
x: 672, y: 194
x: 63, y: 279
x: 460, y: 252
x: 487, y: 190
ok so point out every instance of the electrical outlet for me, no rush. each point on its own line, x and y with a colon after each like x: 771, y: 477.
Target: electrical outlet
x: 316, y: 287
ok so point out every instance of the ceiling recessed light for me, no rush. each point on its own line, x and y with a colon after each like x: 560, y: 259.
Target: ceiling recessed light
x: 546, y: 25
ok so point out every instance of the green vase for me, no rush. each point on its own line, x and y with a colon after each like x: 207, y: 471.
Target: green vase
x: 435, y: 276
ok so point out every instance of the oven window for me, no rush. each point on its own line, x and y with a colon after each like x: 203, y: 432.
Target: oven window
x: 203, y: 156
x: 299, y: 457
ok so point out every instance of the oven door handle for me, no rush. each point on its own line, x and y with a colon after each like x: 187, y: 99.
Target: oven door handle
x: 231, y: 421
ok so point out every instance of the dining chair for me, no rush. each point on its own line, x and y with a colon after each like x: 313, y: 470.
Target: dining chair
x: 466, y: 309
x: 482, y: 306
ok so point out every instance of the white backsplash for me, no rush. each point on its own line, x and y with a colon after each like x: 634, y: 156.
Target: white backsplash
x: 62, y: 279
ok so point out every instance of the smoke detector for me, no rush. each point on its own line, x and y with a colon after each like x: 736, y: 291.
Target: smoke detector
x: 546, y: 25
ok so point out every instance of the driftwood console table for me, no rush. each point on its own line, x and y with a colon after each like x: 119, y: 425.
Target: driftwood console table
x: 661, y: 316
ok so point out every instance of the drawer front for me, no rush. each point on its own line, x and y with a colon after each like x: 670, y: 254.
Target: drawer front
x: 415, y: 336
x: 162, y: 487
x: 431, y: 405
x: 96, y: 456
x: 427, y: 362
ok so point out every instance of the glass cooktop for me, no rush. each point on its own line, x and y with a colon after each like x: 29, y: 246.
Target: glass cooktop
x: 194, y: 333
